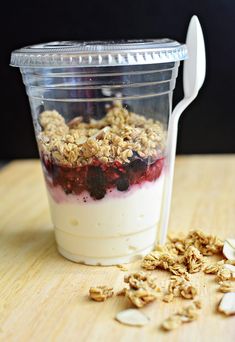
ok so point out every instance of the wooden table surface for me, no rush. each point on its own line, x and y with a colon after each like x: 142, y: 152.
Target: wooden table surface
x: 43, y: 297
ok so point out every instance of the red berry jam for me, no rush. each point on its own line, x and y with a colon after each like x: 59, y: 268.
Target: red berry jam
x: 97, y: 178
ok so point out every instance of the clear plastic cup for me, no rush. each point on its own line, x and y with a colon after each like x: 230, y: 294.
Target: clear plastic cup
x: 100, y: 112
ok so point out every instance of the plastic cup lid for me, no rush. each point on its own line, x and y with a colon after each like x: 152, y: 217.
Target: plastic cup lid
x: 99, y: 53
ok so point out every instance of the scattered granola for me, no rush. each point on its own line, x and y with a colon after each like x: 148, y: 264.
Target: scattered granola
x: 100, y: 293
x: 179, y: 287
x: 189, y: 313
x: 225, y: 286
x: 193, y: 259
x: 172, y: 322
x: 212, y: 268
x: 184, y: 254
x: 142, y: 288
x: 188, y: 291
x: 224, y: 274
x: 207, y: 244
x: 198, y: 304
x: 165, y: 260
x: 180, y: 255
x: 175, y: 285
x: 132, y: 317
x: 184, y: 315
x: 168, y: 297
x: 227, y: 304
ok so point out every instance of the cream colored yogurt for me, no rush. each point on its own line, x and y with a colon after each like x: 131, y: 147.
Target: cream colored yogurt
x: 119, y: 228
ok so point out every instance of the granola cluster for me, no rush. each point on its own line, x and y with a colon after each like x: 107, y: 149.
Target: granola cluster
x: 226, y: 286
x: 115, y: 137
x: 224, y: 270
x: 100, y: 293
x: 179, y: 287
x: 213, y: 268
x: 184, y: 315
x: 206, y: 244
x: 183, y: 255
x: 142, y: 288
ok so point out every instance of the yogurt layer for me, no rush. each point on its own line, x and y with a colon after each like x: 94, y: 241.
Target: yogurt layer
x: 119, y: 228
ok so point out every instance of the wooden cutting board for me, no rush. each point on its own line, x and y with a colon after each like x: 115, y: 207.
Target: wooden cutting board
x: 43, y: 297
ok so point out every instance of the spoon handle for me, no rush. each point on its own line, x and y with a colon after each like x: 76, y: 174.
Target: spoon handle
x: 169, y: 166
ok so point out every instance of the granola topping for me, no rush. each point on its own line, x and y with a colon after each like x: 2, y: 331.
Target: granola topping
x: 115, y: 137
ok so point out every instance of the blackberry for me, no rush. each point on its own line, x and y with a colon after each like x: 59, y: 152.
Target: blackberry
x: 96, y: 182
x: 98, y: 193
x: 138, y: 165
x: 122, y: 184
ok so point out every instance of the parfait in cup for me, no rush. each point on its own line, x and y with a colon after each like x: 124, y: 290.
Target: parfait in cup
x: 101, y: 112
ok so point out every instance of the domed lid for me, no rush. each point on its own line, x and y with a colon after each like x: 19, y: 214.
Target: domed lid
x: 99, y: 53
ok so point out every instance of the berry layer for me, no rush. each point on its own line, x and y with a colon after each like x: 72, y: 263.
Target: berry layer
x: 99, y: 179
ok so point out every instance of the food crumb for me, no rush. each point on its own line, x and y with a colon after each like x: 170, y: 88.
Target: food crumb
x: 122, y: 268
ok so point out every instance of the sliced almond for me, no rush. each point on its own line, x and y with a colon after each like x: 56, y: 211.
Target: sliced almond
x: 75, y: 121
x: 132, y: 317
x: 229, y: 249
x: 227, y: 304
x: 231, y: 242
x: 185, y: 319
x: 100, y: 134
x: 81, y: 140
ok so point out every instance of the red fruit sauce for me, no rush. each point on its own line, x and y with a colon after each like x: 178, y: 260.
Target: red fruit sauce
x: 97, y: 178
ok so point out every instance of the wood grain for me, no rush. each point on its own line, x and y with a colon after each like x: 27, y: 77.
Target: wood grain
x: 43, y: 297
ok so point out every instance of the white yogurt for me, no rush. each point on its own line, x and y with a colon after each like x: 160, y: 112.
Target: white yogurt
x: 119, y: 228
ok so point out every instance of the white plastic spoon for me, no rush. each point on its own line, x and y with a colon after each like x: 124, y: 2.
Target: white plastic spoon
x: 193, y: 78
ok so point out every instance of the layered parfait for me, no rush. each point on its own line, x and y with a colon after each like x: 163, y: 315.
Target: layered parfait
x: 105, y: 183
